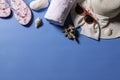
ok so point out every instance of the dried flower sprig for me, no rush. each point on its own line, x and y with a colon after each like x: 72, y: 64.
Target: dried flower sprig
x: 70, y: 32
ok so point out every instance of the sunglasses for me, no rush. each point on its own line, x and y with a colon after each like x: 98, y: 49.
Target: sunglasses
x: 82, y: 11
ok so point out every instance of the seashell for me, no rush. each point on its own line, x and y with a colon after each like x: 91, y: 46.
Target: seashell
x: 108, y: 32
x: 37, y: 22
x: 39, y: 4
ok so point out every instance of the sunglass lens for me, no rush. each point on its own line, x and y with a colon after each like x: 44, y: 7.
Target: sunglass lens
x: 79, y: 9
x: 89, y: 19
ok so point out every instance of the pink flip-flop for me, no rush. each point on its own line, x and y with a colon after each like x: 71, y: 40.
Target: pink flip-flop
x: 21, y: 11
x: 4, y: 9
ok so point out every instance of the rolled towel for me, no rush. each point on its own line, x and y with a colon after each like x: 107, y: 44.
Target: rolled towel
x: 58, y: 11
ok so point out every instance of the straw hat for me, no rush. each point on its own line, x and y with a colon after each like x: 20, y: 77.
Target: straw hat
x: 107, y: 8
x: 105, y: 12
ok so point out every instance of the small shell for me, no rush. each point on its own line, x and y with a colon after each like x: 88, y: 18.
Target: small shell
x: 37, y: 22
x: 108, y: 32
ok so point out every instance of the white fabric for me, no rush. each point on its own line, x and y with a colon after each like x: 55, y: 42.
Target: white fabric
x: 91, y: 30
x: 95, y: 30
x: 58, y: 11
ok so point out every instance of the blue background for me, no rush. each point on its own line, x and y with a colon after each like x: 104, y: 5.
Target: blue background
x: 27, y: 53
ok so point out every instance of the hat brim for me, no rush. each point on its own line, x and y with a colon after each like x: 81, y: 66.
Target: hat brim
x: 114, y: 25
